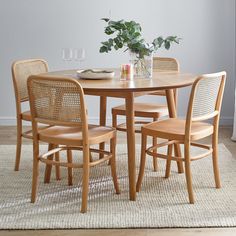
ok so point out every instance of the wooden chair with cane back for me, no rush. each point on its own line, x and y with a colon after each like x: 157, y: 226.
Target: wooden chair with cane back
x: 21, y: 70
x: 149, y: 110
x: 204, y: 104
x: 60, y: 102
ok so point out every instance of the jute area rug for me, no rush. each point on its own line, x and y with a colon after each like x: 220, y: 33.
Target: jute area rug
x: 161, y: 202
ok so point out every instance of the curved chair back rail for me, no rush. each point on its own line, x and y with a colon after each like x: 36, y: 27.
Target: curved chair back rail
x: 21, y: 70
x: 165, y: 64
x: 205, y: 99
x: 57, y: 101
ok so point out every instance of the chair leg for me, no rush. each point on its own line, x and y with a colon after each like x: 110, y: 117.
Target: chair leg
x: 113, y: 164
x: 18, y: 144
x: 188, y: 172
x: 48, y: 169
x: 57, y: 168
x: 90, y: 157
x: 70, y: 169
x: 154, y: 143
x: 142, y: 162
x: 114, y: 120
x: 85, y: 181
x: 180, y: 165
x: 176, y: 98
x: 215, y: 159
x: 114, y: 125
x: 35, y: 175
x: 155, y: 165
x: 168, y: 161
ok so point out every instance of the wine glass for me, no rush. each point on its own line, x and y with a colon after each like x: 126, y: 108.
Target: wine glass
x: 79, y: 54
x: 67, y: 54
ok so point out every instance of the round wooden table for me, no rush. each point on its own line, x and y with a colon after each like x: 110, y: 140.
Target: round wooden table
x: 128, y: 89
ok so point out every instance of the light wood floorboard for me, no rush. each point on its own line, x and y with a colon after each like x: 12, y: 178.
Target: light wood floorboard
x: 8, y: 136
x: 124, y: 232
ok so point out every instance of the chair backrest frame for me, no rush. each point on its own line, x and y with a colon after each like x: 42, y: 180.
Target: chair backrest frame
x: 77, y: 92
x: 17, y: 79
x: 218, y: 102
x: 165, y: 64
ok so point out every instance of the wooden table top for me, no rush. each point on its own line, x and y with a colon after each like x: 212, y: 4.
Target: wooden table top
x: 159, y: 81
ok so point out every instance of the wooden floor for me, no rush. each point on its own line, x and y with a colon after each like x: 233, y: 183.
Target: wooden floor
x: 8, y: 136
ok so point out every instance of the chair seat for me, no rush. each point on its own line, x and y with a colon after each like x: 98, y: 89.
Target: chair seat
x: 174, y: 129
x: 143, y: 110
x: 72, y: 136
x: 26, y: 115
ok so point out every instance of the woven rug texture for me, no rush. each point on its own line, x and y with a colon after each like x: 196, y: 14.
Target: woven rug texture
x: 161, y: 203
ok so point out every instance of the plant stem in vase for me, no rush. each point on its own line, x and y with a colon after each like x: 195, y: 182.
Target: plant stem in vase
x: 142, y: 66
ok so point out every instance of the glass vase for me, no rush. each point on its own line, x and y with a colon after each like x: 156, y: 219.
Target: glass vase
x: 142, y: 66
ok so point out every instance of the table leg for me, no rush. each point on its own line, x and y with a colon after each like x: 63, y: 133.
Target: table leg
x: 103, y: 109
x: 129, y: 100
x: 173, y: 114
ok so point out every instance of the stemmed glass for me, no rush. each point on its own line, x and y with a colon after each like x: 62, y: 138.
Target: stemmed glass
x: 73, y: 54
x: 67, y: 54
x: 79, y: 54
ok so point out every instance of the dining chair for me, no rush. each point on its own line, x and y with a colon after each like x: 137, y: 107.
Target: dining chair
x: 149, y: 110
x: 21, y: 70
x: 204, y: 104
x: 60, y: 102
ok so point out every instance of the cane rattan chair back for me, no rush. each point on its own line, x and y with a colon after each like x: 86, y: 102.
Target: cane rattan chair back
x: 207, y: 95
x: 57, y: 101
x: 165, y: 64
x: 205, y: 99
x: 21, y: 70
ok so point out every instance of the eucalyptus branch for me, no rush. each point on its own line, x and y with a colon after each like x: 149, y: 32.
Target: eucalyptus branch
x: 128, y: 35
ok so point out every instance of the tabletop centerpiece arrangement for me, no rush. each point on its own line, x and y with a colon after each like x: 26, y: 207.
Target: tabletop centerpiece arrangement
x: 128, y: 35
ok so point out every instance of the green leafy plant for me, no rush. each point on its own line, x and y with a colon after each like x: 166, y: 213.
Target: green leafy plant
x: 128, y: 35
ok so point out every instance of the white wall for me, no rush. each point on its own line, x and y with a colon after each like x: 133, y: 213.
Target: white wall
x: 234, y: 125
x: 32, y: 29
